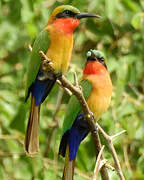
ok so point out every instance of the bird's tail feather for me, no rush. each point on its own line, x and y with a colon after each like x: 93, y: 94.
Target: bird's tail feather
x: 69, y: 167
x: 31, y: 137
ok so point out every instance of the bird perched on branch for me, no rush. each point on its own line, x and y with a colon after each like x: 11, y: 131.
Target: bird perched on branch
x: 97, y: 89
x: 56, y: 41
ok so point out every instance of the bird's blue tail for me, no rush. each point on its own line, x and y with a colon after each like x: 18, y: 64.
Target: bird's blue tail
x: 39, y: 90
x: 70, y: 142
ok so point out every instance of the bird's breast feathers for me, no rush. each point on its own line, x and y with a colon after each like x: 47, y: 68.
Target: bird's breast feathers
x: 60, y: 49
x: 100, y: 96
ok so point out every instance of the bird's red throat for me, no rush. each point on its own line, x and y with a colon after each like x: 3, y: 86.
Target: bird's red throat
x: 94, y: 67
x: 66, y: 25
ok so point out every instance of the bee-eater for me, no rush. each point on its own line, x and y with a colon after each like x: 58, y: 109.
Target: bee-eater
x: 97, y: 89
x: 56, y: 41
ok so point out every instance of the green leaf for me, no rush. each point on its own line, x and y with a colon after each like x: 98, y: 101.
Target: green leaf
x: 138, y: 21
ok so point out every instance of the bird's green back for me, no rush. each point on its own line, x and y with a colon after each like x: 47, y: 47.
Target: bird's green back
x: 41, y: 44
x: 74, y: 106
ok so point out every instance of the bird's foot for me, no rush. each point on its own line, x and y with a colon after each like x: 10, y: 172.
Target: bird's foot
x: 46, y: 65
x: 90, y: 115
x: 46, y: 75
x: 58, y: 75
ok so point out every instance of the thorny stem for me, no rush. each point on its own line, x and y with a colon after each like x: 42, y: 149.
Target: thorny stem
x: 109, y: 140
x: 93, y: 127
x: 97, y: 165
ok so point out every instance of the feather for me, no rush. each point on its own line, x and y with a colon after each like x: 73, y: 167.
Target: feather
x: 70, y: 143
x: 31, y: 138
x: 69, y: 167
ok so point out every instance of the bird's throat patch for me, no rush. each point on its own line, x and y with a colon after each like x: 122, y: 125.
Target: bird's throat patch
x: 66, y: 25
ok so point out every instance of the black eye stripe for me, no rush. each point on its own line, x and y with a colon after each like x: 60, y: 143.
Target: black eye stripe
x: 70, y: 13
x: 65, y: 14
x: 66, y: 11
x: 101, y: 59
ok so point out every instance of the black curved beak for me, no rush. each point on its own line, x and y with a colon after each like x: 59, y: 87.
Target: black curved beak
x: 86, y: 15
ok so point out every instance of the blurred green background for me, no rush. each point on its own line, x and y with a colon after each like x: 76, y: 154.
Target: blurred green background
x: 120, y: 35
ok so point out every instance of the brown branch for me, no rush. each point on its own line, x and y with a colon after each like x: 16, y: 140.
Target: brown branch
x: 109, y: 167
x: 97, y: 165
x: 76, y: 90
x: 109, y: 140
x: 58, y: 104
x: 65, y: 89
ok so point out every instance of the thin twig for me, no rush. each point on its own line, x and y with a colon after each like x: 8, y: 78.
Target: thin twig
x: 109, y: 140
x: 65, y: 89
x: 117, y: 134
x: 126, y: 159
x: 140, y: 95
x: 58, y: 104
x: 76, y: 80
x: 97, y: 165
x: 109, y: 167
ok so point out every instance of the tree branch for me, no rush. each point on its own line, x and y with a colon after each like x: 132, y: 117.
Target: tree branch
x: 97, y: 165
x: 76, y: 90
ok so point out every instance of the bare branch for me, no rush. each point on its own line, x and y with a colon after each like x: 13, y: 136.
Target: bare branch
x: 76, y: 80
x: 109, y: 167
x: 93, y: 127
x: 97, y: 165
x: 112, y: 149
x: 65, y: 89
x: 118, y: 134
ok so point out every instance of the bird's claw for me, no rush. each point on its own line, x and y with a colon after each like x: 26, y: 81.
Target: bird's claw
x: 46, y: 65
x: 90, y: 115
x: 58, y: 75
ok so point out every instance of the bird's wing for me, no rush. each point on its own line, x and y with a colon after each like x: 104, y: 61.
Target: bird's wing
x: 74, y: 106
x: 41, y: 43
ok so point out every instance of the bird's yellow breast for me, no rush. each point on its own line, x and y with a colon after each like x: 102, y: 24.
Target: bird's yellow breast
x: 60, y: 50
x: 100, y: 96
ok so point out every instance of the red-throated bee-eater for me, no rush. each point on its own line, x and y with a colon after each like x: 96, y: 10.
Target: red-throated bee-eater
x: 56, y: 41
x: 97, y: 89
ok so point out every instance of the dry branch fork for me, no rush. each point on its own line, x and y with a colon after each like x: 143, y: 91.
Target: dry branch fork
x: 76, y: 90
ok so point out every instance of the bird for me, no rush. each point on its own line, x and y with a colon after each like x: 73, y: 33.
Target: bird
x: 97, y: 88
x: 56, y: 41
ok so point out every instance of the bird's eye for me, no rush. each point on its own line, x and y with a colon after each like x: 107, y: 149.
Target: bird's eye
x: 101, y: 59
x: 67, y: 12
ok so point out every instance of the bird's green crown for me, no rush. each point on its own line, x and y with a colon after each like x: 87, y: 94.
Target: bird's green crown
x: 66, y: 9
x: 92, y: 53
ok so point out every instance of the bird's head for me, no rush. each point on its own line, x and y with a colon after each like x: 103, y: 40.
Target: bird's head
x: 95, y: 62
x: 67, y: 17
